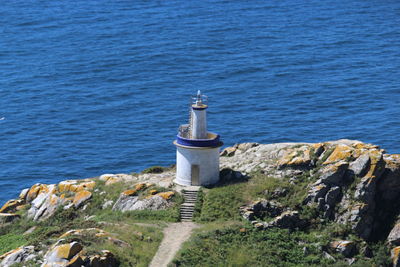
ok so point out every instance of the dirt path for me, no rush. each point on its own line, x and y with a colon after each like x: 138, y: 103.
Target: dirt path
x: 174, y: 236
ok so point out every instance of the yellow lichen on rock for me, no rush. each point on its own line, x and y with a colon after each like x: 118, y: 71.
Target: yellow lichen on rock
x: 395, y: 253
x: 11, y: 205
x: 77, y: 232
x: 284, y: 161
x: 89, y: 185
x: 377, y: 164
x: 81, y: 197
x: 71, y: 232
x: 363, y: 146
x: 317, y: 146
x: 76, y: 185
x: 65, y: 186
x: 137, y: 188
x: 112, y: 180
x: 229, y: 151
x: 392, y: 161
x: 166, y: 195
x: 33, y: 192
x: 296, y: 157
x: 66, y: 251
x: 303, y: 159
x: 37, y: 189
x: 341, y: 152
x: 9, y: 253
x: 153, y: 191
x: 77, y: 260
x: 130, y: 192
x: 106, y: 259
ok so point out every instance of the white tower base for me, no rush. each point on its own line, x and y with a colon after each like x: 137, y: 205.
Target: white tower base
x: 197, y: 165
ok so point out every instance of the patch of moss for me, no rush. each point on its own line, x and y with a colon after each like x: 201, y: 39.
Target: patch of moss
x: 155, y: 169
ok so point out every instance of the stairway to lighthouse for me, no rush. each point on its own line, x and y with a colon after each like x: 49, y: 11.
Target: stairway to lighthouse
x: 187, y: 207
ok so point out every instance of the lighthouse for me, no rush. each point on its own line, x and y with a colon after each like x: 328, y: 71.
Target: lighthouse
x: 197, y: 150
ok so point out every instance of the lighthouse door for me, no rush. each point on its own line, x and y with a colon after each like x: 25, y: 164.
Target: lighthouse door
x: 195, y: 175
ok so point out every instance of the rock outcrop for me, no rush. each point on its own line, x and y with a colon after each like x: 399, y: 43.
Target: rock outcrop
x: 74, y: 253
x: 348, y: 179
x: 263, y: 209
x: 345, y: 247
x: 18, y: 255
x: 130, y: 200
x: 349, y: 182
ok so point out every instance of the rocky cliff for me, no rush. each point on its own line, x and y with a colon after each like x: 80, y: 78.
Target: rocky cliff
x: 354, y: 184
x: 299, y: 186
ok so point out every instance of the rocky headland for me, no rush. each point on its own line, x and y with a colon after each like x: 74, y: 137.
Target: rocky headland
x: 337, y: 201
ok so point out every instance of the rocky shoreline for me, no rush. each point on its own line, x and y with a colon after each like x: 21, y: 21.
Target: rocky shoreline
x: 347, y: 182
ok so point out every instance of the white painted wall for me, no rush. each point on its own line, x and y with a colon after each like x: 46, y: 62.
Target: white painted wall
x: 199, y: 124
x: 206, y: 158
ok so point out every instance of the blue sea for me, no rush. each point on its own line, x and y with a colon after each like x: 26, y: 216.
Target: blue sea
x: 92, y: 87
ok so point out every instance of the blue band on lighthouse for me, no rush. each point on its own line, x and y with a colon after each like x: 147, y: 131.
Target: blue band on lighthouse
x: 214, y: 142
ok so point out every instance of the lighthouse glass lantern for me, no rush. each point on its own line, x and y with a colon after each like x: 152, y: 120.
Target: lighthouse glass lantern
x: 197, y: 150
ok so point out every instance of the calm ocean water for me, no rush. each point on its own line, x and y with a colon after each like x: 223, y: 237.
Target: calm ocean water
x: 92, y: 87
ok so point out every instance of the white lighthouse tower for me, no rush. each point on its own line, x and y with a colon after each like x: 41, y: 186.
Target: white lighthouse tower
x: 197, y: 154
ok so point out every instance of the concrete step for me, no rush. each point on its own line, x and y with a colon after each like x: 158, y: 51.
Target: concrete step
x: 187, y: 208
x: 186, y: 204
x: 187, y: 213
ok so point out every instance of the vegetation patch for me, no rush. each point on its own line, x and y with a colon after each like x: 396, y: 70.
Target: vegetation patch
x: 223, y: 202
x: 10, y: 241
x: 246, y: 246
x: 155, y: 169
x: 141, y: 240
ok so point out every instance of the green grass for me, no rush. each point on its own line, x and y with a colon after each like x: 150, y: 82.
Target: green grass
x: 11, y: 241
x: 143, y: 247
x: 228, y: 246
x: 199, y: 205
x: 150, y: 216
x: 238, y: 244
x: 223, y: 202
